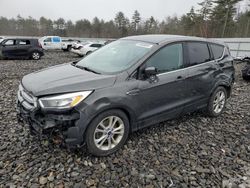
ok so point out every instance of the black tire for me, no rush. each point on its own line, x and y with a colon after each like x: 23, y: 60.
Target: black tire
x: 35, y: 55
x: 65, y: 50
x: 246, y: 78
x: 90, y: 133
x: 69, y: 48
x: 210, y: 111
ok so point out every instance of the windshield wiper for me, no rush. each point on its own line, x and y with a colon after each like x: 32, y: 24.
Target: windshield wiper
x: 85, y: 68
x: 90, y: 70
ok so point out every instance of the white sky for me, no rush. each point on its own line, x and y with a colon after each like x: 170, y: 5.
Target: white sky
x: 105, y: 9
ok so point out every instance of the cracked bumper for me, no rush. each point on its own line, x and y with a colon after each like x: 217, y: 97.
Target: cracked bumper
x: 63, y: 124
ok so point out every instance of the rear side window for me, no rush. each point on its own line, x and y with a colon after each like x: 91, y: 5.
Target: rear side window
x: 217, y: 50
x: 169, y: 58
x: 56, y: 39
x: 24, y: 42
x: 198, y: 53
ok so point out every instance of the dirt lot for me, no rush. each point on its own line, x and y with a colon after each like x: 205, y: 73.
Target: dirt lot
x: 193, y: 151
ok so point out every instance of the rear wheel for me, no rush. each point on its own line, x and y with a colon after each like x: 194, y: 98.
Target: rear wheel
x: 217, y: 102
x: 247, y: 78
x: 35, y: 55
x: 107, y: 133
x: 69, y: 48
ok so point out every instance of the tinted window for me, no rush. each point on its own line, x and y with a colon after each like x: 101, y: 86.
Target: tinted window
x: 47, y: 40
x: 227, y: 52
x: 9, y: 42
x: 198, y: 53
x: 167, y: 59
x: 24, y: 42
x: 217, y: 50
x: 96, y: 45
x: 56, y: 39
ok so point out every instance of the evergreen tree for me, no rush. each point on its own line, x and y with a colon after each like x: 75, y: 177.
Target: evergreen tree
x: 135, y: 21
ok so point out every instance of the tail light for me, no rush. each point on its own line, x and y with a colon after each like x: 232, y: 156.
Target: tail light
x: 39, y: 45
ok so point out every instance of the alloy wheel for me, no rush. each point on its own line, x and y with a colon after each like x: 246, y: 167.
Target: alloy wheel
x: 109, y: 132
x: 35, y: 55
x: 219, y: 102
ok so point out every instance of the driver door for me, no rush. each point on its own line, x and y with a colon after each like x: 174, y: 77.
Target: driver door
x: 164, y: 96
x: 9, y: 48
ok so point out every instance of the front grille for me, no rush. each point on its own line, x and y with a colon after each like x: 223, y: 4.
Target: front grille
x: 28, y: 101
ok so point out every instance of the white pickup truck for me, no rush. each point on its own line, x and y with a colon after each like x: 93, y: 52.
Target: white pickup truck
x: 51, y: 42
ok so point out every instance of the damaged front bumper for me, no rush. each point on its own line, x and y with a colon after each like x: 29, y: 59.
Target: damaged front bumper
x: 65, y: 124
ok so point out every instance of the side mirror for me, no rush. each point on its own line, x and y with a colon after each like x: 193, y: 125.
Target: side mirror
x: 150, y: 71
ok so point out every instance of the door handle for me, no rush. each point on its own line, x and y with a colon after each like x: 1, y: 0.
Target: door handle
x: 133, y: 92
x: 179, y: 77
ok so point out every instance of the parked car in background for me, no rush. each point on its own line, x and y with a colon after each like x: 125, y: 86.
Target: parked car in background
x: 86, y: 49
x: 21, y: 48
x: 1, y: 39
x: 51, y: 42
x: 127, y: 85
x: 246, y: 69
x: 68, y: 43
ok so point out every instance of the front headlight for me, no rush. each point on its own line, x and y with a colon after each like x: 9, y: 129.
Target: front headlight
x: 64, y: 101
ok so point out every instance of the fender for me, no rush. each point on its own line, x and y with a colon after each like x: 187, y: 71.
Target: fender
x: 89, y: 111
x: 225, y: 81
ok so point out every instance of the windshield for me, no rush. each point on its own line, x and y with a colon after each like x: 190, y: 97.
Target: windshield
x: 116, y: 56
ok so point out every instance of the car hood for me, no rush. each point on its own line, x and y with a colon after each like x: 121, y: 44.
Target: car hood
x: 64, y: 78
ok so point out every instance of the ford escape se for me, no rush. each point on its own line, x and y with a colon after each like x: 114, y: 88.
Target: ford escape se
x: 127, y: 85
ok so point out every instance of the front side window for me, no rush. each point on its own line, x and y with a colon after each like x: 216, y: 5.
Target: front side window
x: 217, y: 50
x: 10, y: 42
x: 167, y: 59
x: 198, y: 53
x: 48, y: 40
x: 116, y: 56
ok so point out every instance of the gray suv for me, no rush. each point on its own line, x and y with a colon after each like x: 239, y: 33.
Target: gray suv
x: 129, y: 84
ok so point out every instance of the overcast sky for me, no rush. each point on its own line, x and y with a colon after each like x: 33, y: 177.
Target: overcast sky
x: 105, y: 9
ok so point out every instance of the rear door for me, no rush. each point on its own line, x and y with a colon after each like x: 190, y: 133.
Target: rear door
x: 56, y: 43
x: 23, y: 47
x: 9, y: 48
x: 201, y: 74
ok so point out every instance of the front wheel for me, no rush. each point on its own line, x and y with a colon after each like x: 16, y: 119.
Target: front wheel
x: 107, y: 133
x: 35, y: 55
x: 217, y: 102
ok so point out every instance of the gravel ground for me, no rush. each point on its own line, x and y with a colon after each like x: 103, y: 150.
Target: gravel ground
x: 193, y: 151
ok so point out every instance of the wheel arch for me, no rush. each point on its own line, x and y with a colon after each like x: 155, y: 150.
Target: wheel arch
x: 125, y: 110
x: 224, y: 84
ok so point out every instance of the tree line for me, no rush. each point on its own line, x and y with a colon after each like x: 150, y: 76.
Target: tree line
x: 213, y: 18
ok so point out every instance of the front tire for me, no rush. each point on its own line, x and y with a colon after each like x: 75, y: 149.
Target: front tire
x: 217, y: 102
x: 107, y: 133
